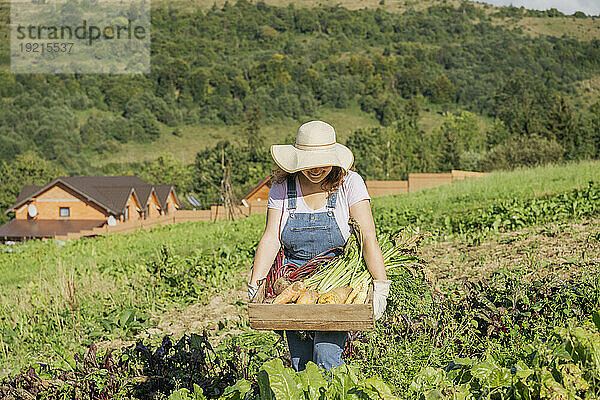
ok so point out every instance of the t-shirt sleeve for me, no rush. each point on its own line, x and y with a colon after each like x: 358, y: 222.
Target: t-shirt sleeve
x: 357, y: 189
x: 276, y: 196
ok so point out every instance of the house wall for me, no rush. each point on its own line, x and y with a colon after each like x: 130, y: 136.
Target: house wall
x: 171, y: 203
x: 154, y: 206
x: 134, y: 206
x: 49, y: 202
x: 261, y: 195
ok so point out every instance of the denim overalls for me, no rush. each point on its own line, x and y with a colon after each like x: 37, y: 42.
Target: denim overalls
x: 304, y: 236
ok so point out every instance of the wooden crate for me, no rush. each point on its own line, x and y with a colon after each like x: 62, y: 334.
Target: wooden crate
x: 313, y: 317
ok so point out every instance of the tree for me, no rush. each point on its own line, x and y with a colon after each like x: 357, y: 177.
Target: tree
x: 94, y: 130
x: 167, y: 169
x: 247, y: 170
x: 527, y: 151
x: 26, y: 169
x: 497, y: 134
x: 412, y: 108
x: 387, y: 153
x: 388, y: 112
x: 255, y: 139
x: 522, y: 103
x: 144, y: 127
x: 442, y: 90
x: 8, y: 85
x: 563, y: 125
x: 198, y: 84
x: 410, y: 81
x: 459, y: 133
x: 593, y: 126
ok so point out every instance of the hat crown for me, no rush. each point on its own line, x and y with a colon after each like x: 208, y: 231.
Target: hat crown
x: 315, y: 133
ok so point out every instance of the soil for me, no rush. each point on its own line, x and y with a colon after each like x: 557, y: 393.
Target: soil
x: 222, y: 317
x: 558, y: 248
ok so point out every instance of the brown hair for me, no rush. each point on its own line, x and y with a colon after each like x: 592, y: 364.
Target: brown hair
x: 330, y: 184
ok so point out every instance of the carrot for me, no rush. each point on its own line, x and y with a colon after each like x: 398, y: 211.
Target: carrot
x: 290, y: 293
x: 335, y: 296
x: 361, y: 296
x: 355, y: 291
x: 308, y: 297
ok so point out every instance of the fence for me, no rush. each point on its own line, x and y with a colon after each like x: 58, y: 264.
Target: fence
x: 215, y: 213
x: 424, y: 181
x: 418, y: 181
x: 381, y: 188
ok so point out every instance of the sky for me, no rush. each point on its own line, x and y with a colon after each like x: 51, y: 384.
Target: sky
x: 590, y: 7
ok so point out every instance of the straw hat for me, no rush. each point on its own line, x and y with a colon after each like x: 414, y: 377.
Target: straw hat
x: 315, y: 147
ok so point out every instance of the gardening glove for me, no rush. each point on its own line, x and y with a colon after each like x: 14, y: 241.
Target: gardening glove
x: 252, y: 290
x: 381, y: 289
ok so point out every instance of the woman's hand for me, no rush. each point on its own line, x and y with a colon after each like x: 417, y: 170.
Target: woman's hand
x: 252, y: 290
x: 381, y: 290
x: 361, y: 212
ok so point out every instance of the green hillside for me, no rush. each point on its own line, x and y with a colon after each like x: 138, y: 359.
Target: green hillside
x: 195, y: 138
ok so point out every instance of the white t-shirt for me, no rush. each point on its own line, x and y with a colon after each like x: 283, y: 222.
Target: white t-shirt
x: 352, y: 190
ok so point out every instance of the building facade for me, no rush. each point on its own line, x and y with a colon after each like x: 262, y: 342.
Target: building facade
x: 72, y: 204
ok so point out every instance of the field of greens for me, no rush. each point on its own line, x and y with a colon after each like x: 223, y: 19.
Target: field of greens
x: 161, y: 314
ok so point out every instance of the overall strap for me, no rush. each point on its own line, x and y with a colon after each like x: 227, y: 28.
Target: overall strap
x: 291, y: 193
x: 332, y: 200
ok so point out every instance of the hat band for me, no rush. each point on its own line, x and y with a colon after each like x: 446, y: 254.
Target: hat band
x: 314, y: 146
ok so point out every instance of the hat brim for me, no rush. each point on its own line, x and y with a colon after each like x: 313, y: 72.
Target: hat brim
x: 290, y: 159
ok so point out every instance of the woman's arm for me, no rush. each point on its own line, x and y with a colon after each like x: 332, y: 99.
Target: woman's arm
x: 361, y: 212
x: 267, y: 247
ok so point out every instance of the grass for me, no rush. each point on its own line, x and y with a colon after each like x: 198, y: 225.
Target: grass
x: 502, y: 185
x: 584, y: 29
x: 56, y: 298
x: 44, y: 258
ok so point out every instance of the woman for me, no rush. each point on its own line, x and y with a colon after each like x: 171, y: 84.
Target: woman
x: 309, y: 206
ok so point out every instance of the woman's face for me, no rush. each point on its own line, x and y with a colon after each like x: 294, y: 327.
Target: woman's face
x: 316, y: 175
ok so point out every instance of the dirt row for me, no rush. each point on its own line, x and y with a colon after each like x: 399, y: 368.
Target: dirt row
x: 557, y: 248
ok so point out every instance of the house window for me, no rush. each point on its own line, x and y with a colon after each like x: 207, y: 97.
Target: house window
x: 147, y: 211
x: 167, y: 208
x: 126, y: 216
x: 64, y: 212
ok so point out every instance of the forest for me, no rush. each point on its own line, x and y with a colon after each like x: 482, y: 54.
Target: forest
x: 248, y: 65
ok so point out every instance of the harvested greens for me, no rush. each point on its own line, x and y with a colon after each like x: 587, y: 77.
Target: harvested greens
x: 323, y: 276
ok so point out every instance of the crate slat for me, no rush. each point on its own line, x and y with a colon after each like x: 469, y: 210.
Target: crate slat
x: 321, y: 317
x: 313, y: 325
x: 317, y: 312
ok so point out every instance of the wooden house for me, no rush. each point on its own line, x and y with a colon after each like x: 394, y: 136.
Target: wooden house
x: 73, y: 204
x: 257, y: 198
